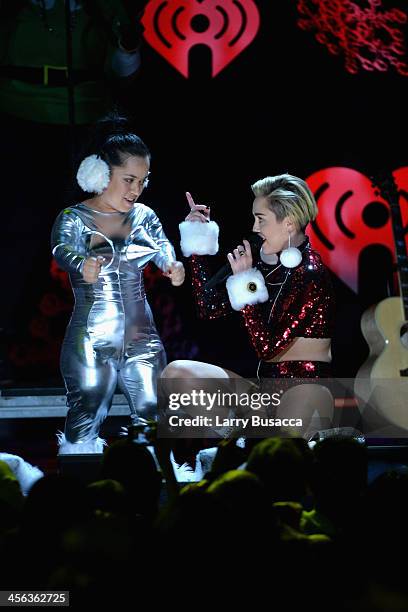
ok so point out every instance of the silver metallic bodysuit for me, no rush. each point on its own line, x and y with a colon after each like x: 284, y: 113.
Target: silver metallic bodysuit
x: 111, y: 338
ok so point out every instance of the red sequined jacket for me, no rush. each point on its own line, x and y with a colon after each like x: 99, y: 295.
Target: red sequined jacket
x: 303, y: 308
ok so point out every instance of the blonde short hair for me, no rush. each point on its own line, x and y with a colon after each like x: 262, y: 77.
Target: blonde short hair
x: 288, y: 196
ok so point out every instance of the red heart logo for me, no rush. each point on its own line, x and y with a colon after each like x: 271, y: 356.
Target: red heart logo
x: 173, y: 27
x: 341, y: 231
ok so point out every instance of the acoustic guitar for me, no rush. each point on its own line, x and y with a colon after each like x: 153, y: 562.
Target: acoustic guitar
x: 382, y: 381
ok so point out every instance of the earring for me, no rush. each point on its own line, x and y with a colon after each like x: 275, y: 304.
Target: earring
x: 290, y: 257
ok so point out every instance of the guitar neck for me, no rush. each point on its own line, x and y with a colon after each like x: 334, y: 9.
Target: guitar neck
x: 401, y: 253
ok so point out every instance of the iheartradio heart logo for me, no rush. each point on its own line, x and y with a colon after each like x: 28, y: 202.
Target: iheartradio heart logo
x: 173, y: 27
x: 351, y: 217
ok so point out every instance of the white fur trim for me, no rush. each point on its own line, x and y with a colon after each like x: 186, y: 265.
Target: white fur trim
x: 93, y: 174
x: 25, y: 473
x: 238, y: 290
x: 78, y: 448
x: 207, y: 456
x: 185, y: 473
x: 199, y: 238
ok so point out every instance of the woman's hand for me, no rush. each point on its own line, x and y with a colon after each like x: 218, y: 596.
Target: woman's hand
x: 241, y: 259
x: 176, y: 273
x: 195, y: 214
x: 91, y: 268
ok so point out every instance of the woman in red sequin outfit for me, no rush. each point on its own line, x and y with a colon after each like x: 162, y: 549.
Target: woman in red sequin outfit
x: 284, y: 294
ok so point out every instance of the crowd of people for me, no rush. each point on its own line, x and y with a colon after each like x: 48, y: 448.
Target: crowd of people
x: 275, y: 519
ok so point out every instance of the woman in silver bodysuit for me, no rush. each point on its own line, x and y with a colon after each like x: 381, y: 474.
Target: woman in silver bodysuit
x: 104, y: 243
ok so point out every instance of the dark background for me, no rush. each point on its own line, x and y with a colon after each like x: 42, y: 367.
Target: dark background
x: 284, y: 104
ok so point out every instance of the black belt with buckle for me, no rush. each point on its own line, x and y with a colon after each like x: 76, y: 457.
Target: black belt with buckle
x: 53, y: 76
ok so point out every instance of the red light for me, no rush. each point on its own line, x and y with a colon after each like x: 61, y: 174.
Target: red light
x: 369, y: 38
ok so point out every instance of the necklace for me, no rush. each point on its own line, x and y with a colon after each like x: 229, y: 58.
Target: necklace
x: 269, y: 259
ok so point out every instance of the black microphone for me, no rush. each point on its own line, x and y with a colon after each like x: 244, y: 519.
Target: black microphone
x: 255, y: 242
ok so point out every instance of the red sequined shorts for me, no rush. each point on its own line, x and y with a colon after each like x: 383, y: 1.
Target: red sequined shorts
x: 295, y: 369
x: 284, y: 375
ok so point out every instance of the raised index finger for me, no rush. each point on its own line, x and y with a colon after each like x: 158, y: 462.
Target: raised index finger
x: 190, y: 200
x: 247, y: 247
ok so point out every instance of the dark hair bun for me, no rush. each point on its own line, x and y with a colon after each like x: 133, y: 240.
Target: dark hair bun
x: 113, y: 138
x: 113, y: 123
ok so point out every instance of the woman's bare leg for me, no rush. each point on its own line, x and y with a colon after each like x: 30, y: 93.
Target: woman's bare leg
x: 187, y: 368
x: 185, y: 376
x: 313, y: 404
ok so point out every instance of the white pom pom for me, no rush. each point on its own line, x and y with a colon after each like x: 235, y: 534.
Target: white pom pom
x: 93, y: 174
x: 290, y: 258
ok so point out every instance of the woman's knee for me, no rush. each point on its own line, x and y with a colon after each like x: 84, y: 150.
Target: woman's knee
x: 179, y: 368
x: 187, y: 368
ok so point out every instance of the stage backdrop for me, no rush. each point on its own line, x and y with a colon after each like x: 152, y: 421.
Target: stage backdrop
x: 230, y: 92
